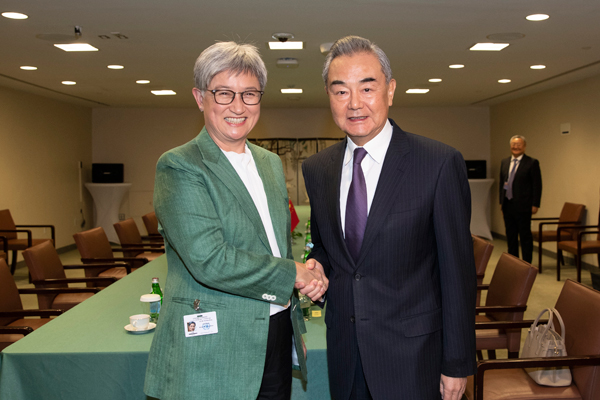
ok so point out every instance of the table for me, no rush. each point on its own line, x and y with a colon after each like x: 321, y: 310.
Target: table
x: 86, y: 352
x: 107, y: 201
x: 480, y: 207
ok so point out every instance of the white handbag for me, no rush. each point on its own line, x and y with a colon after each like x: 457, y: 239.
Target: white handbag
x: 544, y: 341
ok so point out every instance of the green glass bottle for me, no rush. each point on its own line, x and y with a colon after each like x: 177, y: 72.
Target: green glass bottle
x: 156, y: 289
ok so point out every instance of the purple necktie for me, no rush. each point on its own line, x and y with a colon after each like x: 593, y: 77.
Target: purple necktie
x: 511, y: 178
x: 356, y: 206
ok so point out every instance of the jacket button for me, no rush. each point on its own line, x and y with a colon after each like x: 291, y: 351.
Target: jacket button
x: 357, y: 277
x: 352, y: 319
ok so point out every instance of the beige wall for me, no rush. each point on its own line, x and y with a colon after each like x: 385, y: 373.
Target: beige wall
x: 41, y: 142
x: 137, y: 137
x: 570, y: 163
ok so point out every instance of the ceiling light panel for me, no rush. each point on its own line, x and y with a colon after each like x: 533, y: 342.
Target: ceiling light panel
x: 76, y: 47
x: 537, y: 17
x: 288, y: 91
x: 504, y: 81
x: 14, y: 15
x: 489, y: 46
x: 537, y: 67
x: 163, y: 92
x: 69, y: 83
x: 456, y: 66
x: 28, y: 67
x: 417, y: 91
x: 142, y: 81
x: 435, y: 80
x: 286, y: 45
x: 114, y: 66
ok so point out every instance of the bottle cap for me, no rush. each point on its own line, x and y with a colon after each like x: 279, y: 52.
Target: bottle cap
x: 150, y: 298
x: 155, y: 280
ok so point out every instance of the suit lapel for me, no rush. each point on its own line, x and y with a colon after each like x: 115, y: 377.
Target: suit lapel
x: 393, y: 173
x: 215, y: 160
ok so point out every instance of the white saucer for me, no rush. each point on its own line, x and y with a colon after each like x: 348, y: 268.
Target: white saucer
x: 131, y: 329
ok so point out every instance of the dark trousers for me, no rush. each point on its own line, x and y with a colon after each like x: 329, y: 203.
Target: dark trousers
x: 518, y: 226
x: 277, y: 376
x: 360, y: 390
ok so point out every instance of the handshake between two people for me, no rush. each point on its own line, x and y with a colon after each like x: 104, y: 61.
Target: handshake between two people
x: 311, y: 280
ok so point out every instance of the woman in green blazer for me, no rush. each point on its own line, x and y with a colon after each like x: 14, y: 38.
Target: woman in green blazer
x: 228, y: 245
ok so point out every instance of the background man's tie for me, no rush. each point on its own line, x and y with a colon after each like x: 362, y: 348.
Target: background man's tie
x: 356, y: 206
x: 511, y: 178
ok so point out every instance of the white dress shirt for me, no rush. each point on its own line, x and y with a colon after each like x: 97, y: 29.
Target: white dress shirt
x: 244, y: 165
x: 371, y: 166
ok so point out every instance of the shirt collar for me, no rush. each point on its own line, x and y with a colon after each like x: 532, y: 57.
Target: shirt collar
x: 517, y: 158
x: 243, y: 159
x: 376, y: 147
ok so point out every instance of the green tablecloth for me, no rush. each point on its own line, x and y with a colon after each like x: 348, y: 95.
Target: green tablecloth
x: 86, y: 352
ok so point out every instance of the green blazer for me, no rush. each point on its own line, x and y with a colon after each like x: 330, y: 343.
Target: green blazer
x: 218, y: 254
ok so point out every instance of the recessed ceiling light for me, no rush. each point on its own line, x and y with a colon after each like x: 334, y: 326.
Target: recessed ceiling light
x: 456, y: 66
x: 488, y: 46
x: 504, y: 81
x: 286, y: 45
x: 28, y: 67
x: 14, y: 15
x: 538, y: 66
x: 537, y: 17
x: 76, y: 47
x: 115, y: 67
x: 69, y: 83
x: 291, y: 91
x: 142, y: 81
x: 417, y: 91
x: 435, y: 80
x: 163, y: 92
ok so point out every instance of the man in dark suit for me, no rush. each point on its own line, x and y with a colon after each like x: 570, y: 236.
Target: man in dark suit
x: 391, y: 231
x: 520, y: 195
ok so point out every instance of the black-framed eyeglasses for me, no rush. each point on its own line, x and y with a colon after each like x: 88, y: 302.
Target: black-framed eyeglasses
x: 249, y: 97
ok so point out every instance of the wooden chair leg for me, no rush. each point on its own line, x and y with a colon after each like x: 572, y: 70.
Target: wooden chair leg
x: 13, y: 265
x: 491, y: 354
x: 540, y: 257
x: 479, y: 355
x: 513, y: 354
x: 578, y: 263
x: 558, y: 257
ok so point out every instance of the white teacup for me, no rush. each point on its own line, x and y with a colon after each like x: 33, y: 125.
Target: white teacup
x: 139, y: 321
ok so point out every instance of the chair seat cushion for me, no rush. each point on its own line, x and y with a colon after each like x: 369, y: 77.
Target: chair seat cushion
x: 117, y: 272
x: 34, y: 323
x: 66, y: 301
x: 550, y: 236
x: 587, y: 246
x: 149, y: 256
x: 21, y: 244
x: 515, y: 384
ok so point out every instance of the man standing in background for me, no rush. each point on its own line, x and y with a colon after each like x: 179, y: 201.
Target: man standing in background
x: 520, y: 195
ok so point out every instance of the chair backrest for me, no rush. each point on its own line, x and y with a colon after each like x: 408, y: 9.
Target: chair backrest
x: 93, y: 244
x: 128, y: 234
x: 571, y: 212
x: 44, y: 263
x: 482, y: 250
x: 6, y: 222
x: 151, y: 223
x: 9, y: 294
x: 510, y: 286
x: 579, y: 307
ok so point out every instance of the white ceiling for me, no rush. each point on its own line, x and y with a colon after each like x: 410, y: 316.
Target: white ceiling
x: 421, y: 38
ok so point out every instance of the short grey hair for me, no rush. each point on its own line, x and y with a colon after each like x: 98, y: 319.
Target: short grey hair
x: 518, y: 137
x: 229, y: 56
x: 350, y: 45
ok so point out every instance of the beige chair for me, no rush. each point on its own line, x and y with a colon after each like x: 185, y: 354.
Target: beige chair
x: 94, y: 248
x: 579, y: 247
x: 482, y: 250
x: 129, y: 236
x: 506, y: 300
x: 9, y: 230
x: 47, y: 271
x: 13, y: 324
x: 579, y: 307
x: 570, y: 216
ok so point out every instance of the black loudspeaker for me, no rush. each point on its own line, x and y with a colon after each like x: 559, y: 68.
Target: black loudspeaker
x: 107, y: 173
x: 476, y: 169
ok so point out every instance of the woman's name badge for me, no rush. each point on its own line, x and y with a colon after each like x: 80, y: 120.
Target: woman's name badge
x: 200, y: 324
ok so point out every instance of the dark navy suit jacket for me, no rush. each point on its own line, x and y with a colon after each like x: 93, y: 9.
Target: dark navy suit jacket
x: 527, y: 185
x: 408, y: 303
